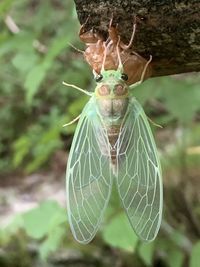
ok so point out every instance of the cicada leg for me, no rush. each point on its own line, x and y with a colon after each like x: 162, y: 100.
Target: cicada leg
x: 120, y: 65
x: 126, y: 47
x: 113, y: 35
x: 143, y: 74
x: 112, y: 32
x: 82, y: 29
x: 81, y: 90
x: 77, y: 88
x: 89, y: 37
x: 75, y: 48
x: 104, y: 57
x: 71, y: 122
x: 154, y: 123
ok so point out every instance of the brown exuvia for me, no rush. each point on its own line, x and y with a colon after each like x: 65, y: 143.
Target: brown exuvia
x: 133, y: 63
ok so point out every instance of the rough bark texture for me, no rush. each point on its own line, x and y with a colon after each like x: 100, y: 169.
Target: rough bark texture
x: 169, y: 30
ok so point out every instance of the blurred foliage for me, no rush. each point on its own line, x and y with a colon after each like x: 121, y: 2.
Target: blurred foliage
x: 35, y: 57
x: 113, y: 235
x: 34, y: 103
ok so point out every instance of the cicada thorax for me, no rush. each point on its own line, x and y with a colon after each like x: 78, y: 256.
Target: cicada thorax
x: 112, y: 98
x: 133, y: 63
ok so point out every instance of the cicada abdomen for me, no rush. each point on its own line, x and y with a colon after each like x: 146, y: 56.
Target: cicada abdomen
x: 112, y: 98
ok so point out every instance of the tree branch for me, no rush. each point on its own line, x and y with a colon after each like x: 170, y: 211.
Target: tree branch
x: 169, y: 30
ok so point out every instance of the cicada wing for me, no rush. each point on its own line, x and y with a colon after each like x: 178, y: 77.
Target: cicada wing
x: 88, y: 175
x: 139, y: 178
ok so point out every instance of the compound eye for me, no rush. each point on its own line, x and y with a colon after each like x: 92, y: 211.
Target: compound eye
x: 98, y: 78
x: 124, y: 77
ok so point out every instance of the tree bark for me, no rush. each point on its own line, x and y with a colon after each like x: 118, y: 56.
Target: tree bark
x: 169, y: 30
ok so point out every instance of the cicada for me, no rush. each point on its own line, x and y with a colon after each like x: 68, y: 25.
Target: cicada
x: 113, y: 143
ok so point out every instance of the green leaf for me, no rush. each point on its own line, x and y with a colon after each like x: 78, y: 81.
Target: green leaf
x: 38, y: 73
x: 52, y: 242
x: 5, y: 6
x: 48, y: 141
x: 118, y: 233
x: 21, y: 63
x: 182, y: 98
x: 146, y: 91
x: 19, y: 43
x: 195, y: 255
x: 174, y: 255
x: 40, y: 221
x: 176, y: 258
x: 146, y: 251
x: 21, y: 149
x: 33, y: 80
x: 56, y: 47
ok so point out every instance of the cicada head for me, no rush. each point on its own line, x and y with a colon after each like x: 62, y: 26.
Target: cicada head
x: 111, y: 95
x: 111, y: 84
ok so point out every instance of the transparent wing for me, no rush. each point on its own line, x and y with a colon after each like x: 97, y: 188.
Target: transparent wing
x: 139, y: 174
x: 88, y: 175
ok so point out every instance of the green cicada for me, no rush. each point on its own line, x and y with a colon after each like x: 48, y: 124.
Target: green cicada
x: 113, y: 142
